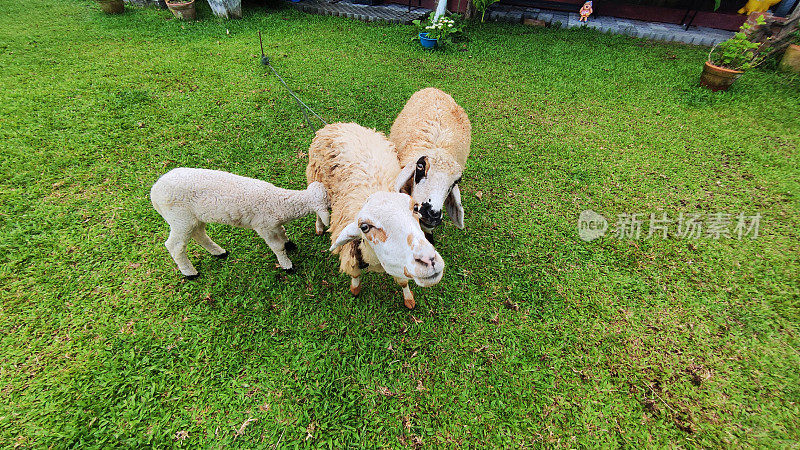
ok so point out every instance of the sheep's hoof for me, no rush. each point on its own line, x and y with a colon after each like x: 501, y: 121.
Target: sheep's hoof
x: 290, y: 246
x: 191, y: 277
x: 429, y: 237
x: 290, y: 270
x: 221, y: 256
x: 355, y: 290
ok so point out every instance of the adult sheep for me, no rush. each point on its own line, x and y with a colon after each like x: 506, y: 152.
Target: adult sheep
x: 373, y: 227
x: 432, y: 135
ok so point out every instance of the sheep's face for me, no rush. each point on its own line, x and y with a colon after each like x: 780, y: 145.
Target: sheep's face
x: 432, y: 181
x: 389, y: 224
x: 320, y: 201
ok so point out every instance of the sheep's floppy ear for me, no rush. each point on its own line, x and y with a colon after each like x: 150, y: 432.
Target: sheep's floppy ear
x: 405, y: 178
x: 350, y: 232
x: 454, y: 208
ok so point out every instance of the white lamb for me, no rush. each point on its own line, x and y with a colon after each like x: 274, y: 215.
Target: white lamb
x: 189, y: 198
x: 432, y: 135
x: 374, y: 228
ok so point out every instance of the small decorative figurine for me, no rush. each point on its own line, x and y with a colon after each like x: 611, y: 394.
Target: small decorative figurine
x: 586, y: 11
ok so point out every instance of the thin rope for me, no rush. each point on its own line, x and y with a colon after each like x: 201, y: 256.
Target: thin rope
x: 303, y: 106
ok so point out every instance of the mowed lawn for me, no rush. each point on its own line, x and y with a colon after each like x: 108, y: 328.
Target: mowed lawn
x: 533, y: 338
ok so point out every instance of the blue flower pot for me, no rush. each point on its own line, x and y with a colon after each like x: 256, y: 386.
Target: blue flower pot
x: 427, y: 43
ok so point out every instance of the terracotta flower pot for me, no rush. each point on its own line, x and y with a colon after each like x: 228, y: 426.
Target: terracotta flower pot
x: 791, y: 59
x: 718, y: 78
x: 112, y: 6
x: 183, y: 10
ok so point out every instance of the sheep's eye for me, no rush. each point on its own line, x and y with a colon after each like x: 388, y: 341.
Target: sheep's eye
x: 420, y: 166
x: 365, y: 227
x: 416, y: 208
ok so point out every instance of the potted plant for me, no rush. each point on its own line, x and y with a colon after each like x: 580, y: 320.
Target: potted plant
x: 427, y: 41
x: 791, y: 58
x: 182, y: 9
x: 112, y: 6
x: 729, y: 59
x: 438, y: 32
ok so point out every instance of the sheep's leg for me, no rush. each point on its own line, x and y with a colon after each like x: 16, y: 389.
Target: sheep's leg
x: 176, y: 245
x: 408, y: 296
x: 319, y: 226
x: 355, y: 286
x: 201, y: 237
x: 275, y: 241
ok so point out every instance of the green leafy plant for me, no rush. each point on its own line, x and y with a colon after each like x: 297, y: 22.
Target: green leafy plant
x: 741, y: 52
x: 444, y: 29
x: 483, y: 5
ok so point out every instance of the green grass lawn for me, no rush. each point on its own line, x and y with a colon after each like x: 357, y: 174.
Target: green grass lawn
x: 614, y: 343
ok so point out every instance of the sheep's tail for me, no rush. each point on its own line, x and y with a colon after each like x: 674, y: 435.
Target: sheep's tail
x: 154, y: 192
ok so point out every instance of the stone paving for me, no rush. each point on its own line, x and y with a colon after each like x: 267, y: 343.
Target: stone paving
x: 387, y: 13
x: 636, y: 28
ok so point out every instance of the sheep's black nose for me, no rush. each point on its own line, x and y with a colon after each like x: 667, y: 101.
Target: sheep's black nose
x: 429, y: 217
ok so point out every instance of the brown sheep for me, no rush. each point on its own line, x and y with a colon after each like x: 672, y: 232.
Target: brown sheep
x: 374, y: 228
x: 432, y: 135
